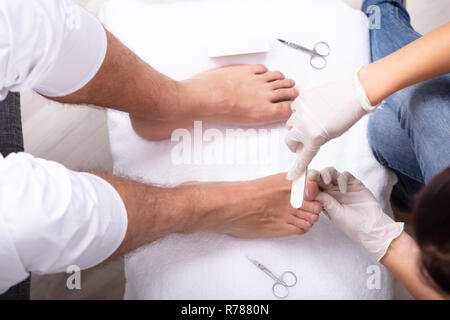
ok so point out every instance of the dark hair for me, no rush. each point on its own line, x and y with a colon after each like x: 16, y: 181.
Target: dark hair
x: 431, y: 223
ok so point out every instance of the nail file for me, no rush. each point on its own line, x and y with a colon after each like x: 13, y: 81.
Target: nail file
x: 298, y: 188
x: 223, y: 46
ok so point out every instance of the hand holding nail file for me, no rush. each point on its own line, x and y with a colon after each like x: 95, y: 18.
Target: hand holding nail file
x: 321, y: 114
x: 298, y: 188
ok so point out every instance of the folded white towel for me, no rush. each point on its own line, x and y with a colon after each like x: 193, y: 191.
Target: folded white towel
x: 173, y: 38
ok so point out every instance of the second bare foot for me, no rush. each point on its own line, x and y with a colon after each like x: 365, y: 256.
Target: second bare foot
x: 247, y: 95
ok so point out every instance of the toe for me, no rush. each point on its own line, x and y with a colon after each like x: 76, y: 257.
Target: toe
x: 301, y: 223
x: 281, y: 111
x: 280, y: 84
x: 284, y: 94
x: 309, y: 217
x: 312, y: 206
x: 258, y: 69
x: 297, y: 230
x: 272, y: 76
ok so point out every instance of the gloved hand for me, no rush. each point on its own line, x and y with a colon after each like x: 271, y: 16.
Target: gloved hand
x: 321, y: 114
x: 354, y: 209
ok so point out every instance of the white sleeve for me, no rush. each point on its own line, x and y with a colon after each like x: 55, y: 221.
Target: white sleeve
x: 52, y: 46
x: 52, y: 218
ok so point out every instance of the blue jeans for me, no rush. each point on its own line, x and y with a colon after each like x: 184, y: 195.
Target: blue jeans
x: 410, y: 133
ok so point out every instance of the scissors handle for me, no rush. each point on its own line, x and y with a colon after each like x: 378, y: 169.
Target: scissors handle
x: 322, y: 48
x: 285, y: 278
x: 320, y: 51
x: 280, y: 288
x: 318, y: 62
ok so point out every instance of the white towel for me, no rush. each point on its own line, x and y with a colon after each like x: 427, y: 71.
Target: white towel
x: 173, y: 38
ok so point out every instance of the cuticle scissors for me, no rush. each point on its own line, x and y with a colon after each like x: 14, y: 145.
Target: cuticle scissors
x: 280, y: 282
x: 318, y: 53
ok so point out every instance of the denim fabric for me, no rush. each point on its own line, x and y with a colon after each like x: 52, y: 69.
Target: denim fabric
x: 410, y: 133
x: 11, y: 140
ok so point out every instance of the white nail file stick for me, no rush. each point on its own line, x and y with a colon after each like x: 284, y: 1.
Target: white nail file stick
x: 298, y: 189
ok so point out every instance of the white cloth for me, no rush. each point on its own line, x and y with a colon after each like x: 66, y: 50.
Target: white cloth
x: 173, y: 38
x: 52, y: 46
x: 52, y: 218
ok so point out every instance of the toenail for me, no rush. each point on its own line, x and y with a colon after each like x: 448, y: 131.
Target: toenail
x: 317, y: 209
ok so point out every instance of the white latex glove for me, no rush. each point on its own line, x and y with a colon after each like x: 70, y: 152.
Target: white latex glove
x: 354, y: 209
x: 321, y: 114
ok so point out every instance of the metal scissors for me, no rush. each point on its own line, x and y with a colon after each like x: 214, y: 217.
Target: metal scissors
x: 318, y: 53
x: 280, y: 288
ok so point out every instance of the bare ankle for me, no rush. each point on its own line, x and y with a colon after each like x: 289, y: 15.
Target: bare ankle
x: 194, y: 99
x: 152, y: 130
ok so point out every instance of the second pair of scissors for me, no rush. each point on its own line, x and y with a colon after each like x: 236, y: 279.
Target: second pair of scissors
x: 318, y: 53
x: 280, y: 288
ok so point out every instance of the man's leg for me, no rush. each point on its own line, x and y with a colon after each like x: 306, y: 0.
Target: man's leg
x: 11, y: 140
x: 157, y: 105
x: 421, y: 111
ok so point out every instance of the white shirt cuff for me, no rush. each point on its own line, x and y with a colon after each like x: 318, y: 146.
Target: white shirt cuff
x: 80, y: 58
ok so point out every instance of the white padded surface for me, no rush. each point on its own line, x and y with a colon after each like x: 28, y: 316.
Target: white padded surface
x: 173, y: 38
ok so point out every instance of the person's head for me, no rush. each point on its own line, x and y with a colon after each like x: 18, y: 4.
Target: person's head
x: 431, y: 223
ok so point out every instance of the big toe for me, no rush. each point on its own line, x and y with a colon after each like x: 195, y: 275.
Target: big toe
x: 272, y: 76
x: 258, y: 68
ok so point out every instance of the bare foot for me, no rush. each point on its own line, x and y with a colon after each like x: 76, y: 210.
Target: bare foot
x: 258, y: 209
x: 246, y: 95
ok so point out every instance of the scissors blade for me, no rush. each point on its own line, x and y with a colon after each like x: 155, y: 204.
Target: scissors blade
x: 265, y: 270
x: 260, y: 265
x: 283, y: 41
x: 295, y: 46
x: 256, y: 263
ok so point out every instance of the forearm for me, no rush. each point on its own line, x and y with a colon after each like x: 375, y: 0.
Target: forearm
x: 402, y: 260
x: 125, y: 82
x: 423, y: 59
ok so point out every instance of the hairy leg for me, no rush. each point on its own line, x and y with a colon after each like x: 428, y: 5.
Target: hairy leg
x: 248, y: 209
x: 246, y: 94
